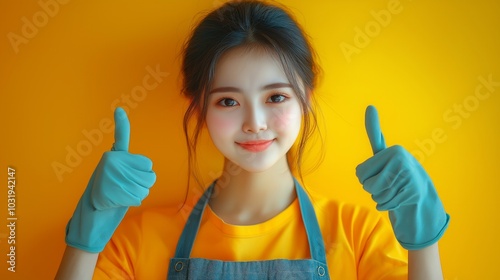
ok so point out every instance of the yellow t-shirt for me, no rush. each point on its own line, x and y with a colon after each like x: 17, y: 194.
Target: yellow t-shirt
x: 359, y: 242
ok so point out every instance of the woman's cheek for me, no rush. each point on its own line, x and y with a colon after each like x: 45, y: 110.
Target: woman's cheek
x: 286, y: 118
x: 220, y: 124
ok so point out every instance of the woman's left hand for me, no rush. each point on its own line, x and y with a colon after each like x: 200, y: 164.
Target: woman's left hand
x: 400, y: 185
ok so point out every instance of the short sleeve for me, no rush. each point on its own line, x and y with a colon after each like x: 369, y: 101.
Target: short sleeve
x: 117, y: 259
x: 382, y: 257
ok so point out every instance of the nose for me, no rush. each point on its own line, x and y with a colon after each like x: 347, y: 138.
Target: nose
x: 255, y: 120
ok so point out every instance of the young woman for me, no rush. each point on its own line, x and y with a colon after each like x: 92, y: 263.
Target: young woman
x: 250, y: 73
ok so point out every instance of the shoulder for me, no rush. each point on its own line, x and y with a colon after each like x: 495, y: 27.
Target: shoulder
x: 354, y: 225
x: 361, y: 236
x: 145, y: 228
x: 349, y: 214
x: 129, y: 253
x: 156, y: 218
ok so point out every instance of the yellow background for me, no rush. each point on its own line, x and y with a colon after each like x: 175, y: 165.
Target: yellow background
x: 425, y: 61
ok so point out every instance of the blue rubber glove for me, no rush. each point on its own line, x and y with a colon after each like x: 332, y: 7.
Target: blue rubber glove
x: 400, y: 185
x: 120, y: 180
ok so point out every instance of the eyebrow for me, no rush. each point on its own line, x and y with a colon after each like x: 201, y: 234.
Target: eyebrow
x: 235, y: 89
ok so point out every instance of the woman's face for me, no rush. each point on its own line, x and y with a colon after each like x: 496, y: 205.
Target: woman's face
x: 253, y: 114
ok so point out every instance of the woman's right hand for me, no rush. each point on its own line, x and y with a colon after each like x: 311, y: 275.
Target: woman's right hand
x: 120, y: 180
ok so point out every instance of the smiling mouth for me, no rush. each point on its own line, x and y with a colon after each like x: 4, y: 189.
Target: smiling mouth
x: 256, y: 146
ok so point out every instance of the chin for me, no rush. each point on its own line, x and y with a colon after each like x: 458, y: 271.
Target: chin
x: 255, y: 169
x: 256, y: 164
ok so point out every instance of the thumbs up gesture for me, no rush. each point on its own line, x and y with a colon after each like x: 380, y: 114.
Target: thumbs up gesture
x: 399, y: 184
x: 120, y: 180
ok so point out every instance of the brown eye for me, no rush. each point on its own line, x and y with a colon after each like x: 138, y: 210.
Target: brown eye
x: 227, y: 102
x: 277, y: 98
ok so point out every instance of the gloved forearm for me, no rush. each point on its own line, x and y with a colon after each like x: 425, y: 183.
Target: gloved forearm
x: 400, y: 185
x: 120, y: 180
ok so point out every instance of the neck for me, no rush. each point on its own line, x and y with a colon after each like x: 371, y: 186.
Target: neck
x: 242, y: 197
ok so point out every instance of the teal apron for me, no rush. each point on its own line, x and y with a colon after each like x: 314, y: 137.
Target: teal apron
x: 183, y: 267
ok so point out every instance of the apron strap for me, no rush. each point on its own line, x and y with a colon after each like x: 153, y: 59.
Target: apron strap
x: 186, y: 241
x: 314, y: 236
x: 313, y: 232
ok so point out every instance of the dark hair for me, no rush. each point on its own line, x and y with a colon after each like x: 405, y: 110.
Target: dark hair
x: 247, y: 24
